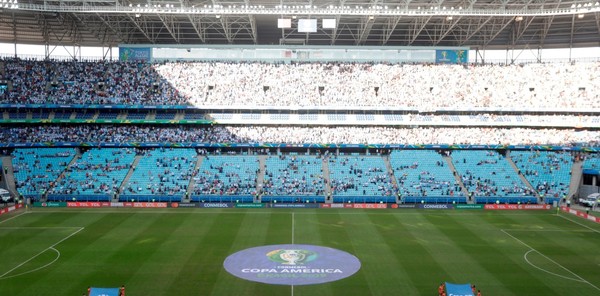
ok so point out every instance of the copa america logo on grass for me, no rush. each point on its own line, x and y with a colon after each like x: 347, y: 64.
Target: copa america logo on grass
x: 292, y: 264
x: 292, y: 257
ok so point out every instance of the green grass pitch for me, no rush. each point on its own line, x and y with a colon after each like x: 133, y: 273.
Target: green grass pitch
x: 403, y: 252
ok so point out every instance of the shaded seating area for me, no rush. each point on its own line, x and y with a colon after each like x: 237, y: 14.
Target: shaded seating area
x: 548, y: 172
x: 226, y: 178
x: 36, y: 169
x: 360, y: 178
x: 293, y: 178
x: 161, y: 175
x: 95, y: 176
x: 488, y: 176
x: 423, y: 175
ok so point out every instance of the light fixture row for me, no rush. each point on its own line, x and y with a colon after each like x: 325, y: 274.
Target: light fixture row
x: 374, y: 10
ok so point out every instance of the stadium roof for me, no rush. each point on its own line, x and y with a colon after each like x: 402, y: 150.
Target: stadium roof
x: 482, y: 24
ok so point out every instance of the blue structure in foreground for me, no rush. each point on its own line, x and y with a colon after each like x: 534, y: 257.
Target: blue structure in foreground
x: 459, y: 289
x: 104, y: 292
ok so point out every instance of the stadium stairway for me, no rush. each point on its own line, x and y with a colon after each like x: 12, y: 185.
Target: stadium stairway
x: 190, y: 187
x: 62, y: 175
x: 576, y: 175
x: 326, y: 177
x: 135, y: 162
x: 260, y: 177
x: 523, y: 179
x: 8, y: 179
x: 457, y: 177
x: 390, y: 171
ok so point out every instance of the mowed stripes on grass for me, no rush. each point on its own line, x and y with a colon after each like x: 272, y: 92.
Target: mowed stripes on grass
x: 403, y: 252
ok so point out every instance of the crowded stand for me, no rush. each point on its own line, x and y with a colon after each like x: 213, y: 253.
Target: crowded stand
x: 299, y: 135
x: 36, y: 169
x: 118, y: 134
x: 360, y: 178
x: 99, y: 82
x: 424, y: 174
x: 548, y: 172
x: 294, y: 117
x: 291, y: 178
x: 160, y: 174
x: 488, y: 176
x: 553, y: 85
x: 226, y: 178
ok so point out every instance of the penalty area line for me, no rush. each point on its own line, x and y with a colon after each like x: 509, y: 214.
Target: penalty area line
x: 19, y: 215
x: 40, y: 253
x: 580, y: 224
x: 579, y: 278
x: 36, y: 269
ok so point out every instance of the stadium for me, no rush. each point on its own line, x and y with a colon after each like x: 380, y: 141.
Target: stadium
x: 266, y: 147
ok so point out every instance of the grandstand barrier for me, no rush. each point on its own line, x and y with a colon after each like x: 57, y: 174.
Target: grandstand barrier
x: 79, y: 197
x: 364, y: 199
x: 435, y: 199
x: 107, y: 121
x: 292, y: 199
x: 149, y: 198
x: 295, y: 146
x: 222, y: 198
x: 506, y: 200
x: 551, y: 200
x: 32, y: 197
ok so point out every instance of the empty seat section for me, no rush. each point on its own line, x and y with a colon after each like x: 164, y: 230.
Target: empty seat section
x: 36, y: 169
x: 548, y: 172
x: 424, y: 175
x: 96, y: 175
x: 161, y: 175
x: 226, y: 178
x: 489, y: 177
x: 293, y: 178
x: 360, y: 179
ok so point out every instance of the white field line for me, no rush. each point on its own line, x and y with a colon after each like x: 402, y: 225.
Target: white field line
x: 293, y: 230
x: 580, y: 224
x: 35, y: 256
x: 36, y: 269
x: 39, y: 227
x: 13, y: 217
x: 551, y: 260
x: 293, y: 227
x: 547, y: 271
x: 548, y: 230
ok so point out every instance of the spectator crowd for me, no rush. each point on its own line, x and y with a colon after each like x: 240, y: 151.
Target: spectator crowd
x: 299, y: 135
x: 421, y: 86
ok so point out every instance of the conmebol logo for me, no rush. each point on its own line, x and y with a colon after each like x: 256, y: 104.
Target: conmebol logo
x: 215, y: 205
